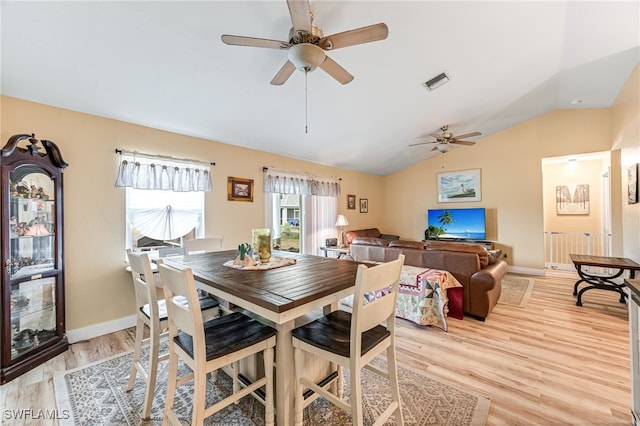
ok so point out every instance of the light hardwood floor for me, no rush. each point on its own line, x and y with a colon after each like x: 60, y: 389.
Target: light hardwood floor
x: 550, y: 363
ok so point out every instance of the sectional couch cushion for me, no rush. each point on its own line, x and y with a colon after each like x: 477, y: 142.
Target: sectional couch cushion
x: 482, y: 253
x: 407, y: 244
x: 367, y: 233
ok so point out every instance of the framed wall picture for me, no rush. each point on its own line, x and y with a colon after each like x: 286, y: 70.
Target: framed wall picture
x: 572, y: 199
x: 633, y: 184
x: 460, y: 186
x: 364, y: 205
x: 239, y: 189
x: 351, y: 202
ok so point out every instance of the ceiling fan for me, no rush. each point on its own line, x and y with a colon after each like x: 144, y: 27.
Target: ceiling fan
x: 444, y: 138
x: 307, y: 44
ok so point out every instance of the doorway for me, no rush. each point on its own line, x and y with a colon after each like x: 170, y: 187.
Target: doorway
x: 577, y: 205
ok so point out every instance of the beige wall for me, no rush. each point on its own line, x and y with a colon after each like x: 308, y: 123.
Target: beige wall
x: 97, y: 288
x: 511, y: 180
x: 625, y: 138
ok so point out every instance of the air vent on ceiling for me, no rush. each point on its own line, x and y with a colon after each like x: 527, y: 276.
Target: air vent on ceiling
x: 436, y: 81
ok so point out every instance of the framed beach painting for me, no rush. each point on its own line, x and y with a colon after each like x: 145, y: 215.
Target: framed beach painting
x: 460, y: 186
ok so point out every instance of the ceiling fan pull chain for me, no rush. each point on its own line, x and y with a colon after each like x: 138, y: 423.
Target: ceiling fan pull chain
x: 306, y: 102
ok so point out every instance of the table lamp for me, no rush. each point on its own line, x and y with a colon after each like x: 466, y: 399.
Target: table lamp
x: 341, y: 222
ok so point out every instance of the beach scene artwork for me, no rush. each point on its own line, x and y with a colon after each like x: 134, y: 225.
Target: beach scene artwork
x: 459, y: 186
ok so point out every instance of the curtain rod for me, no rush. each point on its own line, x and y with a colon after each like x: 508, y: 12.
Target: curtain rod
x: 166, y: 157
x: 265, y: 169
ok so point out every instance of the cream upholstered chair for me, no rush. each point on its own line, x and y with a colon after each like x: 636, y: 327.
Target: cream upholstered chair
x: 207, y: 346
x: 203, y: 245
x: 352, y: 340
x: 152, y: 313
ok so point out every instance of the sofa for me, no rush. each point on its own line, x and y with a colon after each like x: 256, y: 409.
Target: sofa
x: 371, y: 235
x: 478, y: 270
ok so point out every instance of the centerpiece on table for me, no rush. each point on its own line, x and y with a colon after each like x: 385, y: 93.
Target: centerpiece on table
x: 244, y: 258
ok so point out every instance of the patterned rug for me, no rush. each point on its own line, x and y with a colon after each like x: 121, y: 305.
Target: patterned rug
x: 515, y: 290
x: 96, y: 395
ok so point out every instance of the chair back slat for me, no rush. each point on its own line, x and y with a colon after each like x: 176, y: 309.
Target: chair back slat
x: 203, y: 245
x: 187, y: 318
x: 368, y: 314
x: 141, y: 272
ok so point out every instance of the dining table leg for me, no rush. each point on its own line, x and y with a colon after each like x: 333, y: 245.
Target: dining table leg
x: 285, y: 379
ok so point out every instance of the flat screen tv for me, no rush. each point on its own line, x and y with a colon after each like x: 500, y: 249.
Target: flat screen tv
x: 456, y: 224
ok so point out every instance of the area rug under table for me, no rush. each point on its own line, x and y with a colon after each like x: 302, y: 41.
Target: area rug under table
x: 96, y: 395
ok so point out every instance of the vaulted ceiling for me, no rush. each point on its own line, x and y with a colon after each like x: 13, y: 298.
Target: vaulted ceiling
x: 162, y: 64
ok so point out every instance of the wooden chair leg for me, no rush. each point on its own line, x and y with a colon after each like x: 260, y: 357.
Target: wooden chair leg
x: 171, y: 387
x: 340, y: 381
x: 392, y: 369
x: 152, y: 373
x: 235, y: 370
x: 136, y: 354
x: 199, y: 397
x: 356, y: 395
x: 268, y: 373
x: 298, y: 361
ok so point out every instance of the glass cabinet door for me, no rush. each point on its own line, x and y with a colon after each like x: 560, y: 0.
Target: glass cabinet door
x: 31, y: 265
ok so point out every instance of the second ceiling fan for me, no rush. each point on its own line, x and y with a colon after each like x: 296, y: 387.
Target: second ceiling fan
x: 444, y: 138
x: 307, y: 44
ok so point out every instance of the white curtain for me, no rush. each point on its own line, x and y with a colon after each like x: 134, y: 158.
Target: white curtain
x: 319, y: 205
x: 158, y: 173
x: 281, y: 182
x: 164, y: 223
x: 319, y: 216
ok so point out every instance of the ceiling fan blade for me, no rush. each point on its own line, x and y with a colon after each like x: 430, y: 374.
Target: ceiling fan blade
x: 468, y: 135
x: 435, y: 148
x: 422, y: 143
x: 358, y: 36
x: 462, y: 142
x: 300, y: 14
x: 254, y: 42
x: 283, y: 75
x: 332, y: 68
x: 436, y: 135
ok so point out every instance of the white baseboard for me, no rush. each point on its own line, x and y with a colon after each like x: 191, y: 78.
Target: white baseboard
x: 95, y: 330
x: 526, y: 271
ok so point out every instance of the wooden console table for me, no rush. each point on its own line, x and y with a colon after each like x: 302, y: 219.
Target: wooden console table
x: 602, y: 282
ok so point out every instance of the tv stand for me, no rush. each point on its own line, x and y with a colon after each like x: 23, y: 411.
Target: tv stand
x: 487, y: 244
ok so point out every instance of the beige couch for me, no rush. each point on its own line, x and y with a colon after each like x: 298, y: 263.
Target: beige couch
x: 471, y: 264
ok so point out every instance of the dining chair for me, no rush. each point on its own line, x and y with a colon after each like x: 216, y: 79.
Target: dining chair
x: 170, y: 251
x: 151, y: 312
x: 353, y: 340
x: 203, y: 245
x: 208, y: 346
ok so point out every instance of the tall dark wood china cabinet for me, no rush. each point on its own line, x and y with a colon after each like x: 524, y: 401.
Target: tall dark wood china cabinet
x: 32, y: 321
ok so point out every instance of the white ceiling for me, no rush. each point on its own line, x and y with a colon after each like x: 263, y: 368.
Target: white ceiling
x: 162, y: 64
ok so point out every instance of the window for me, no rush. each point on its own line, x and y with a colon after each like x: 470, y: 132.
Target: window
x: 161, y: 218
x: 164, y: 198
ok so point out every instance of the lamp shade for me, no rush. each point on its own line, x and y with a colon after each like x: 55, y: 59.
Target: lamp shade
x: 342, y: 220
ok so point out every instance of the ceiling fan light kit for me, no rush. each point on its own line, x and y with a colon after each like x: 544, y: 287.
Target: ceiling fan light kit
x: 306, y: 57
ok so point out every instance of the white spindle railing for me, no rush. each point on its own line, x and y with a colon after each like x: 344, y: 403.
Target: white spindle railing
x: 558, y: 246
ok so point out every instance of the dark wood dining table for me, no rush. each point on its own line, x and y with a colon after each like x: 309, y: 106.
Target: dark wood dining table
x: 602, y: 281
x: 279, y: 295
